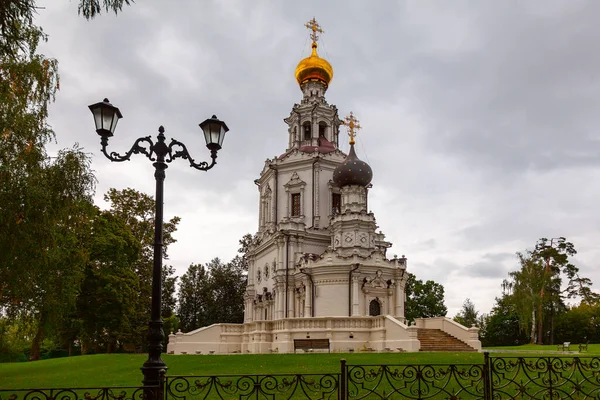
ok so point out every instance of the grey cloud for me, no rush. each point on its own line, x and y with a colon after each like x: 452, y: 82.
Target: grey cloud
x: 479, y: 118
x: 491, y: 265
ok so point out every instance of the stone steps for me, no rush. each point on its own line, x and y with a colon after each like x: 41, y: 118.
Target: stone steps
x: 438, y: 340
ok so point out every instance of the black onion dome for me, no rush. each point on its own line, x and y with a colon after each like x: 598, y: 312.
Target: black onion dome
x: 353, y: 171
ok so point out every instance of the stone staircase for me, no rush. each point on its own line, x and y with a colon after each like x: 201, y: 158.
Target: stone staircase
x: 438, y: 340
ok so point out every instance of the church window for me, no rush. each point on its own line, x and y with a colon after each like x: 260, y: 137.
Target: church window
x: 336, y: 203
x: 374, y: 308
x: 296, y: 212
x: 322, y: 129
x: 307, y: 131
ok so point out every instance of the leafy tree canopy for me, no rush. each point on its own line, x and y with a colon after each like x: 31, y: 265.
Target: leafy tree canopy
x: 423, y: 299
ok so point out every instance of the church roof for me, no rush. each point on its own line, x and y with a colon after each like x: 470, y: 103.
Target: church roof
x: 353, y: 171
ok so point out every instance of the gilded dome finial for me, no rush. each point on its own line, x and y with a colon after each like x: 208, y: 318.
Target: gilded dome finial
x: 314, y: 68
x: 316, y: 28
x: 353, y: 126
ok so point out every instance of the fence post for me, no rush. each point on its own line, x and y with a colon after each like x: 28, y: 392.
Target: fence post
x: 343, y: 395
x: 487, y: 376
x: 162, y: 394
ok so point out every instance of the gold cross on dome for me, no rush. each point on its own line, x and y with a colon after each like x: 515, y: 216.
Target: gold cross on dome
x: 353, y: 126
x: 315, y: 27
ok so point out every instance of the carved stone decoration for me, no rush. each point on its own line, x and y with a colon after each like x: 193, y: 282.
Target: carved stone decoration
x: 295, y: 181
x: 375, y: 282
x: 266, y: 273
x: 348, y: 239
x: 274, y: 267
x: 363, y: 239
x: 258, y: 275
x: 336, y: 241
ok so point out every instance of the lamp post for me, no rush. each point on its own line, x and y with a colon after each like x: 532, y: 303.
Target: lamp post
x: 106, y: 117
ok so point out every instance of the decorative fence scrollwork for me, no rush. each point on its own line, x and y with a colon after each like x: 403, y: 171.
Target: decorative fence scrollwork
x: 279, y: 386
x: 112, y: 393
x: 545, y: 377
x: 533, y: 378
x: 415, y: 382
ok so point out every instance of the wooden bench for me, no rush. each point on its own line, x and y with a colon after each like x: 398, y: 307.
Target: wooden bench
x: 564, y: 347
x: 309, y: 344
x: 583, y: 346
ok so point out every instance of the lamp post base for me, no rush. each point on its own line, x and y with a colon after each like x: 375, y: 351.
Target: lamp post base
x: 154, y: 368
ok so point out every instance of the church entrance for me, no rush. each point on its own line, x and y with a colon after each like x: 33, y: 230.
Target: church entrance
x: 374, y: 308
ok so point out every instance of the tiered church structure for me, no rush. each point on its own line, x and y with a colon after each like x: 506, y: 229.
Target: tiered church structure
x: 318, y: 267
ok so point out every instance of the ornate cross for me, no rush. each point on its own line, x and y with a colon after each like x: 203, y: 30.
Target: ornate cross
x: 352, y: 123
x: 315, y: 27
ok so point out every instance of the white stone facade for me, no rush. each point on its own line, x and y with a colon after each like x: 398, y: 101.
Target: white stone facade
x: 318, y: 267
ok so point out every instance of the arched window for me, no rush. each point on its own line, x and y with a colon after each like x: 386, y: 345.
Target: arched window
x: 307, y: 131
x: 322, y: 129
x: 374, y: 308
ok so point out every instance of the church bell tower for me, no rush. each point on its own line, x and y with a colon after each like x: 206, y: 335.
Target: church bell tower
x: 313, y: 202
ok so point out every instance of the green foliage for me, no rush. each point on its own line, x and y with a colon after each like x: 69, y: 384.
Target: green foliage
x: 579, y: 324
x: 169, y: 301
x: 43, y: 240
x: 501, y: 326
x: 538, y: 290
x: 193, y: 298
x: 45, y: 203
x: 136, y: 211
x: 423, y: 299
x: 106, y: 304
x: 468, y: 316
x: 92, y: 8
x: 227, y: 284
x: 211, y: 294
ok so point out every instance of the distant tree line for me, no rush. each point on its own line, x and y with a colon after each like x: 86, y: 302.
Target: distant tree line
x: 533, y: 309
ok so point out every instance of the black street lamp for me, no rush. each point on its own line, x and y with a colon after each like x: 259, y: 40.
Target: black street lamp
x: 106, y: 117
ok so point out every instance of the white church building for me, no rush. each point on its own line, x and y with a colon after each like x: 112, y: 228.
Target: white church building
x: 318, y: 267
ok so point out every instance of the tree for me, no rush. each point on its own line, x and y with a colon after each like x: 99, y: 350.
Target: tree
x: 245, y: 243
x: 226, y: 284
x: 468, y: 316
x: 109, y: 290
x: 579, y: 324
x: 136, y: 210
x: 193, y: 298
x: 169, y: 301
x: 538, y: 290
x: 91, y: 8
x: 502, y: 325
x: 423, y: 300
x: 45, y: 202
x: 43, y: 240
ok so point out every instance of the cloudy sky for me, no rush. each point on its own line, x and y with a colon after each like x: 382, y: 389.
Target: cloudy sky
x: 479, y: 118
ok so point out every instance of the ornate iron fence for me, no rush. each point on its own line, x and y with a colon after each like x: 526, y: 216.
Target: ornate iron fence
x: 276, y: 386
x: 547, y: 378
x: 452, y: 381
x: 111, y: 393
x: 544, y: 377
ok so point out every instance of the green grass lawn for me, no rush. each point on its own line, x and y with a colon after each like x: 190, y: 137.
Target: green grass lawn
x: 124, y: 369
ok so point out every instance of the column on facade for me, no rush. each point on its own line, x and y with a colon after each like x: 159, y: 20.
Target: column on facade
x: 291, y: 286
x: 308, y: 299
x: 399, y: 298
x: 355, y: 300
x: 316, y: 217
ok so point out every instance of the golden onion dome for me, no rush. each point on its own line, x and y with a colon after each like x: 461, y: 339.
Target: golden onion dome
x: 314, y: 68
